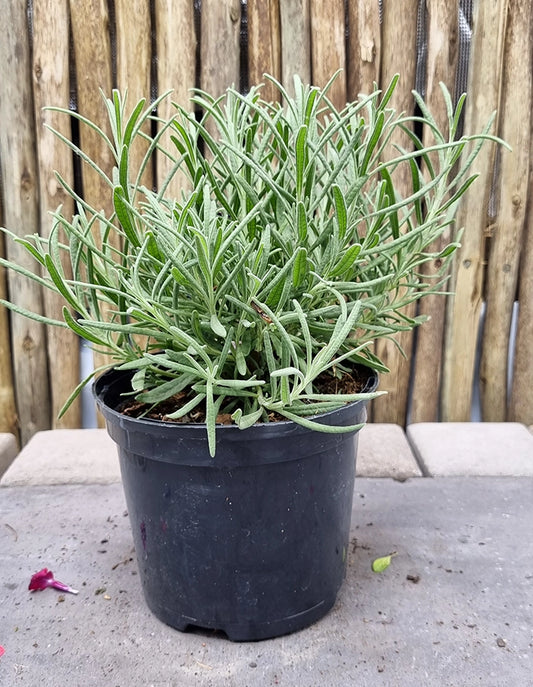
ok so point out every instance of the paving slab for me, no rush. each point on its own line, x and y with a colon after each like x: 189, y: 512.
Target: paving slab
x: 384, y: 451
x: 472, y: 448
x: 454, y: 608
x: 8, y: 451
x: 65, y: 456
x: 89, y: 456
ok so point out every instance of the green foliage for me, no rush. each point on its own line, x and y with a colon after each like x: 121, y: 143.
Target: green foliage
x: 381, y: 564
x: 290, y: 254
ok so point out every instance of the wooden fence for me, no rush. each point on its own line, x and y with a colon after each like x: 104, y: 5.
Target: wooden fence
x: 56, y: 52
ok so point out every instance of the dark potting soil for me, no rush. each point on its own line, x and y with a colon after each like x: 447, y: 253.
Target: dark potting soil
x: 325, y: 383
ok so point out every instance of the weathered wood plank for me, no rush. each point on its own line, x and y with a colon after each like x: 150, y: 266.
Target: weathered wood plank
x: 295, y: 42
x: 328, y: 47
x: 398, y: 28
x: 521, y: 404
x: 50, y: 87
x: 512, y: 190
x: 176, y: 69
x: 133, y: 40
x: 442, y: 55
x: 264, y: 45
x: 220, y: 45
x: 21, y: 215
x: 464, y: 305
x: 8, y: 411
x: 364, y: 47
x: 90, y: 30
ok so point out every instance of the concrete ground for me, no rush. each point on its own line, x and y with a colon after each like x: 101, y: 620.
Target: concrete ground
x: 455, y: 607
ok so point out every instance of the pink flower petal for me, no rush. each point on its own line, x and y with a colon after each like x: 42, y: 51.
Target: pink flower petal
x: 2, y: 651
x: 45, y: 578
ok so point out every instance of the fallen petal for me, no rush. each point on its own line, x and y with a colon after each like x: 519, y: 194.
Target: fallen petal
x: 45, y: 578
x: 41, y: 580
x: 2, y: 651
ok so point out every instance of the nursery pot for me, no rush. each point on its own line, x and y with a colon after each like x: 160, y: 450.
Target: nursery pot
x: 252, y: 542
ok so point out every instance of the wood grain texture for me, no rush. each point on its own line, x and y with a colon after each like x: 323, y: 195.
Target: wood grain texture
x: 442, y: 56
x: 133, y: 39
x: 8, y: 410
x: 21, y: 215
x: 521, y: 402
x: 363, y: 48
x: 295, y: 29
x: 50, y: 87
x: 176, y: 70
x: 220, y: 48
x: 90, y: 31
x: 328, y: 47
x: 220, y: 45
x: 399, y: 28
x: 464, y: 305
x: 264, y: 45
x: 512, y: 191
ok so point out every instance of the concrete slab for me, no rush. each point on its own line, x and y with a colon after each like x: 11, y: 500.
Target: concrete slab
x: 454, y: 607
x: 472, y: 448
x: 89, y: 456
x: 65, y: 456
x: 384, y: 451
x: 8, y: 451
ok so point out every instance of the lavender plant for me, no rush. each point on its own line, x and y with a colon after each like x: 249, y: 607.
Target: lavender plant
x: 290, y: 253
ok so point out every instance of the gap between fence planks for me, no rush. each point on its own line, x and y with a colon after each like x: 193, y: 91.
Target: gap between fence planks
x: 21, y: 215
x: 51, y: 88
x: 506, y: 241
x: 442, y: 57
x: 465, y: 303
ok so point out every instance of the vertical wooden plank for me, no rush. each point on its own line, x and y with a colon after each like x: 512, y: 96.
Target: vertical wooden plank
x: 398, y: 28
x: 51, y: 86
x: 133, y: 36
x: 90, y: 30
x: 21, y: 214
x: 515, y: 113
x: 464, y: 305
x: 176, y: 68
x: 219, y: 48
x: 295, y: 42
x: 328, y: 47
x: 442, y: 57
x: 264, y: 48
x: 521, y: 404
x: 8, y: 412
x: 220, y: 45
x: 364, y: 47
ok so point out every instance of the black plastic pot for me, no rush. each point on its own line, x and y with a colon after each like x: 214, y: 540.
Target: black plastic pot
x: 252, y: 542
